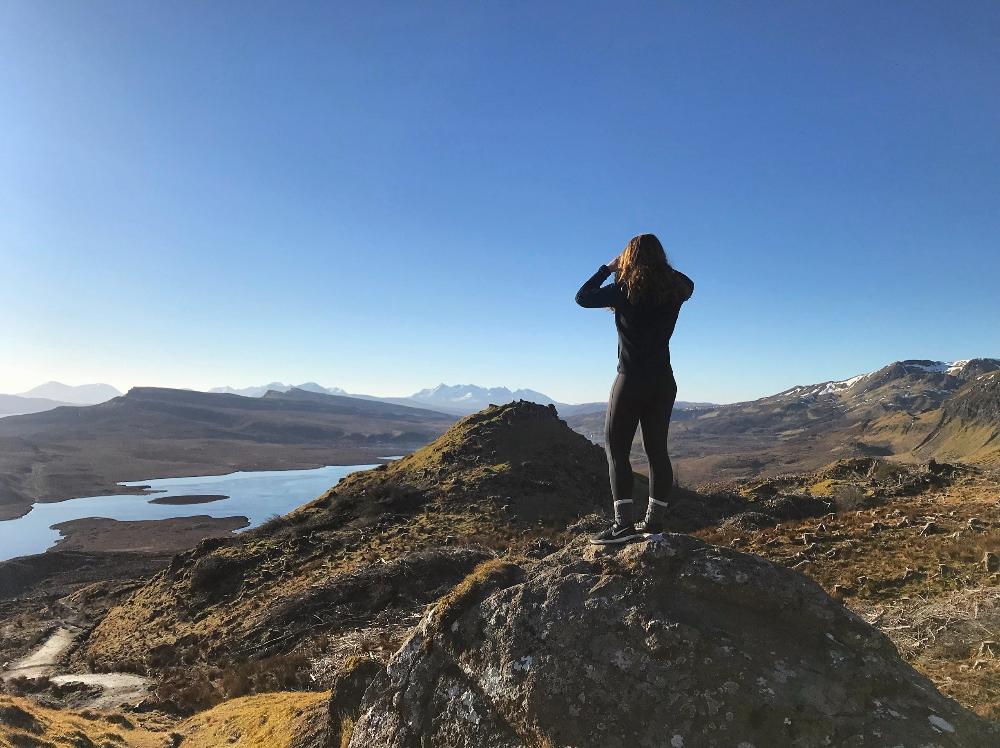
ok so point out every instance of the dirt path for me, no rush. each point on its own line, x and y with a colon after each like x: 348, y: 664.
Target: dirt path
x: 49, y: 656
x: 116, y: 688
x: 44, y: 659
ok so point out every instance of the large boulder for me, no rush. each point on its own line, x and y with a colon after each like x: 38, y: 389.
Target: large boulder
x: 669, y: 643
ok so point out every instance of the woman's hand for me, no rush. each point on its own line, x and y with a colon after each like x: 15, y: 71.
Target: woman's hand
x: 613, y: 265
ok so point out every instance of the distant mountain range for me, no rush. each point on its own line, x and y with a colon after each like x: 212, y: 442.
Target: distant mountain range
x: 457, y: 399
x: 12, y: 405
x: 263, y: 389
x: 915, y: 409
x: 471, y: 397
x: 157, y: 432
x: 53, y: 395
x: 82, y: 394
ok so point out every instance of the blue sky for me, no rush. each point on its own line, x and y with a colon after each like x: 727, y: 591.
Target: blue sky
x: 384, y: 196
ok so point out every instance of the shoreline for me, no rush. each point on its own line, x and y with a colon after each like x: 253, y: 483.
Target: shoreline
x: 14, y: 510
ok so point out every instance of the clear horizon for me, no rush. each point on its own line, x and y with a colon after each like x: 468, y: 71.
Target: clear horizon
x: 388, y: 197
x: 431, y: 386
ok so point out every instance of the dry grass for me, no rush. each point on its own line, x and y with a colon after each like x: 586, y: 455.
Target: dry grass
x: 953, y: 638
x: 489, y: 575
x: 346, y: 731
x: 275, y: 720
x: 186, y: 690
x: 24, y: 723
x: 928, y: 590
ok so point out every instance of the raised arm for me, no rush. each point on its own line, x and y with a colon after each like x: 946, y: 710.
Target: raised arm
x: 592, y: 295
x: 685, y: 281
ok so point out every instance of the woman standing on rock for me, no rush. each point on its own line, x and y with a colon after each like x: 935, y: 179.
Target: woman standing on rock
x: 646, y: 298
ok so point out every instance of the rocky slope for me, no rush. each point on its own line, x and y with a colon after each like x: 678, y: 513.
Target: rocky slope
x: 969, y: 426
x: 671, y: 642
x: 914, y: 550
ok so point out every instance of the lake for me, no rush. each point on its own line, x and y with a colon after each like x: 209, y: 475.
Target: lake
x: 256, y: 495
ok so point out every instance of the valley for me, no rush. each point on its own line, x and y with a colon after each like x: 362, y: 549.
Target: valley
x: 845, y: 484
x: 150, y: 432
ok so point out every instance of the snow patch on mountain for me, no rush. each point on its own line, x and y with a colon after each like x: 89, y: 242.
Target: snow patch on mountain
x: 824, y: 388
x: 470, y: 394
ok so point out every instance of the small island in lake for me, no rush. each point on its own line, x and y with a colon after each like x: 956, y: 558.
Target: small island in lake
x: 192, y: 499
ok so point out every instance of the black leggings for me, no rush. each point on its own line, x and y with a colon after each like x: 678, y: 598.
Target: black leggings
x: 646, y: 399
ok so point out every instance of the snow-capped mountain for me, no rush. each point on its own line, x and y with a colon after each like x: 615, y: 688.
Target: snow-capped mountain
x: 915, y: 408
x: 260, y: 390
x: 455, y: 399
x: 915, y: 384
x: 468, y: 398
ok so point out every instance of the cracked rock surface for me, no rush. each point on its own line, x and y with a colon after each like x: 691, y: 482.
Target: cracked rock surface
x: 671, y: 642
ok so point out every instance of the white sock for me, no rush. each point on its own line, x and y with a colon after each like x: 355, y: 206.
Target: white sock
x: 618, y: 511
x: 653, y: 507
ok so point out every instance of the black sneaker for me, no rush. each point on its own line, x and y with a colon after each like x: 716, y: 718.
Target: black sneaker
x: 615, y: 534
x: 648, y: 528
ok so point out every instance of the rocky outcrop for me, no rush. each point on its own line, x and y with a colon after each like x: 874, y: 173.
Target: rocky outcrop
x: 969, y: 427
x: 665, y: 643
x: 978, y: 403
x: 519, y: 459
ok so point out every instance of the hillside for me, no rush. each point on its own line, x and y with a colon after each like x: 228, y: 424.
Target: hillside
x: 153, y: 432
x: 376, y: 547
x: 891, y: 411
x: 969, y: 425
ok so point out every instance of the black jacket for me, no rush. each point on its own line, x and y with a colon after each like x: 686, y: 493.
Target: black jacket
x: 643, y: 332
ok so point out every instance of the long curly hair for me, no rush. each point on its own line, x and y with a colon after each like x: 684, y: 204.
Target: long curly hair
x: 645, y: 274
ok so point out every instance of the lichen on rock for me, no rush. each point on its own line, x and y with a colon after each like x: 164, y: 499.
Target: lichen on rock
x: 667, y: 642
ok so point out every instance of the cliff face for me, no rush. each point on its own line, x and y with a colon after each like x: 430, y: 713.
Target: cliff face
x: 674, y: 642
x: 969, y: 425
x: 979, y: 402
